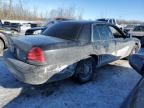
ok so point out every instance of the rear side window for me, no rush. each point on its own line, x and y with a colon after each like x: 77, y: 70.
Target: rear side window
x: 96, y: 33
x: 101, y: 32
x: 63, y: 30
x: 85, y: 34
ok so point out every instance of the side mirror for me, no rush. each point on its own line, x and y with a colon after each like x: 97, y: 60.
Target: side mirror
x: 137, y: 62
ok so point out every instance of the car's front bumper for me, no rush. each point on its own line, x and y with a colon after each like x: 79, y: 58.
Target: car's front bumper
x: 32, y: 74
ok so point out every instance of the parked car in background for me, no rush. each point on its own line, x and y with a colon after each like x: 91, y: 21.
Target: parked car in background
x: 78, y: 45
x: 4, y: 32
x: 138, y: 32
x: 38, y: 30
x: 13, y: 27
x: 3, y: 41
x: 128, y: 28
x: 1, y: 24
x: 16, y: 27
x: 111, y: 21
x: 25, y: 26
x: 6, y: 24
x: 34, y: 25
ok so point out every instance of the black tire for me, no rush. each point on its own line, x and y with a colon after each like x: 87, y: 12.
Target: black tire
x: 84, y: 70
x: 1, y: 46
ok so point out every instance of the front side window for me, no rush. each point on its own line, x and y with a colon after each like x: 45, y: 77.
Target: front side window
x: 101, y: 32
x: 115, y: 32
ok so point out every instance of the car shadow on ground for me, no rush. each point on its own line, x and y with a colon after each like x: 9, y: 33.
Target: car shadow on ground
x: 110, y: 81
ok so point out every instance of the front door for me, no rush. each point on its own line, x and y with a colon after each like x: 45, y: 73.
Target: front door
x: 103, y: 43
x: 124, y: 44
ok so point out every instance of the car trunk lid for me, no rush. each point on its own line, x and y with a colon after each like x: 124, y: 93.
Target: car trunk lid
x: 20, y: 46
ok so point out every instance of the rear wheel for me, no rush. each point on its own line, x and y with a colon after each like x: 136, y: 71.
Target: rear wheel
x: 1, y: 46
x: 84, y: 70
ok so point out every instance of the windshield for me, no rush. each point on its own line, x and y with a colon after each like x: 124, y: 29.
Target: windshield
x: 64, y: 30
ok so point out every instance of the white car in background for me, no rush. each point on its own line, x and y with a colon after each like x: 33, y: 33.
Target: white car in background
x: 25, y: 26
x: 138, y: 32
x: 111, y: 21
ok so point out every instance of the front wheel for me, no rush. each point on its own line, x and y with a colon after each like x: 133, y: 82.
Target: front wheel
x: 84, y: 70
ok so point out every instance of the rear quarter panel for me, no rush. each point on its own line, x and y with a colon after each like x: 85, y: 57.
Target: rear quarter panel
x: 68, y: 55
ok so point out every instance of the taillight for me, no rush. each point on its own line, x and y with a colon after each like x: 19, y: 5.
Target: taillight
x: 36, y: 54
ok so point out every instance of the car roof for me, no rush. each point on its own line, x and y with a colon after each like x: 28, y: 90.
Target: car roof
x: 86, y: 22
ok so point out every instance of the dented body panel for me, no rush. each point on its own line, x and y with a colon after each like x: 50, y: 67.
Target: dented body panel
x: 62, y: 53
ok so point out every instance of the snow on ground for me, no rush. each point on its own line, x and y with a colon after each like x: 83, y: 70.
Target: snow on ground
x: 109, y: 88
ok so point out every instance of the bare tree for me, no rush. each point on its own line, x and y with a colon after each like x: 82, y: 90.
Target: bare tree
x: 9, y: 10
x: 69, y: 12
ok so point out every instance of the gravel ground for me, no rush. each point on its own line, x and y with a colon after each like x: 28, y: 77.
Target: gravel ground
x: 110, y: 87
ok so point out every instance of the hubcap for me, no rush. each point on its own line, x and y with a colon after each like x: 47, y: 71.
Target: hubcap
x: 86, y: 71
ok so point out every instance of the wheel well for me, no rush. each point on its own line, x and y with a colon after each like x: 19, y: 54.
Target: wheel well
x: 136, y: 43
x: 3, y: 41
x: 95, y: 58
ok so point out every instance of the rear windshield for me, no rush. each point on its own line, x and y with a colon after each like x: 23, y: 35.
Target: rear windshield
x: 64, y: 30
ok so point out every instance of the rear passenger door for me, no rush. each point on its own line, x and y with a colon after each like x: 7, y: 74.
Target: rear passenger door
x: 124, y: 45
x: 103, y: 43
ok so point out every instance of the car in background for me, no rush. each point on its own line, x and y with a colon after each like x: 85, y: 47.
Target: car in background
x: 3, y: 40
x: 7, y: 29
x: 128, y: 28
x: 38, y: 30
x: 4, y: 32
x: 138, y: 32
x: 1, y: 25
x: 6, y: 24
x: 111, y: 21
x: 34, y: 25
x: 25, y: 26
x: 78, y: 46
x: 16, y: 27
x: 13, y: 27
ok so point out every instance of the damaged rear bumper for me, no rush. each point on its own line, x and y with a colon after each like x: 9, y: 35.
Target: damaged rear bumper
x: 32, y: 74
